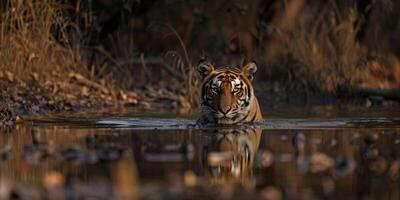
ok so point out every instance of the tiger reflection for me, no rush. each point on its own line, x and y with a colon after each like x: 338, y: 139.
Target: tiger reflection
x: 230, y: 156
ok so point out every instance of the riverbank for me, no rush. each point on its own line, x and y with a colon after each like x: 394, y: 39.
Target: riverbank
x: 74, y: 93
x: 35, y: 95
x: 58, y: 57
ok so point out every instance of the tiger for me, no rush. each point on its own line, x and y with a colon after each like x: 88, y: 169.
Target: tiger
x: 227, y: 95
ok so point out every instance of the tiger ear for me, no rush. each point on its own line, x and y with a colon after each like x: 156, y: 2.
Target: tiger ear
x: 249, y: 70
x: 205, y: 68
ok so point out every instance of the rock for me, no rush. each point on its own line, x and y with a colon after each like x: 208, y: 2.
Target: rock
x: 320, y: 162
x: 315, y: 141
x: 370, y: 153
x: 190, y: 179
x: 283, y: 137
x: 370, y: 138
x: 5, y: 153
x: 5, y: 188
x: 132, y: 94
x: 333, y: 142
x: 328, y: 186
x: 145, y: 105
x: 85, y: 91
x: 379, y: 165
x: 376, y: 100
x: 271, y: 193
x: 122, y: 96
x: 394, y: 169
x: 344, y: 166
x: 53, y: 180
x: 131, y: 102
x: 264, y: 159
x: 188, y: 151
x: 73, y: 153
x: 6, y: 116
x: 284, y: 157
x: 299, y: 142
x: 354, y: 138
x: 397, y: 141
x: 36, y: 152
x: 9, y: 76
x: 90, y: 141
x: 35, y: 76
x: 110, y: 154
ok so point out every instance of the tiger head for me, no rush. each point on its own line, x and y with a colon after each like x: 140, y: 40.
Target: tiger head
x: 227, y: 95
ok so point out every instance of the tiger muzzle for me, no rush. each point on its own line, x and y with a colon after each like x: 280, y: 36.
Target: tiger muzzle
x: 225, y: 103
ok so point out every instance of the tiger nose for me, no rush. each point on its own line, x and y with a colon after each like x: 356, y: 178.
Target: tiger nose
x: 225, y: 109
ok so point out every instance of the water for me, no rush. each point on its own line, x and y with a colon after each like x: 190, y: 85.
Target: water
x: 314, y: 153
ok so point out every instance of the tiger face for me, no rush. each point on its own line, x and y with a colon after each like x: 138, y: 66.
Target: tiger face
x: 227, y: 94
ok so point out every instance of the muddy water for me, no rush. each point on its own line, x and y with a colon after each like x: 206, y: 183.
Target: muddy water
x: 296, y: 153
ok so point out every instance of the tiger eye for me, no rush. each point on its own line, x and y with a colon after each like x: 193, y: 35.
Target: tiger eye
x: 214, y: 89
x: 236, y: 90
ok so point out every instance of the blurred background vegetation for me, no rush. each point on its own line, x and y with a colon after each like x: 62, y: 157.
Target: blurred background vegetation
x: 321, y: 46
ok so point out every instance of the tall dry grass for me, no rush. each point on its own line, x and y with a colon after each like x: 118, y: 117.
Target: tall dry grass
x: 34, y: 38
x: 312, y: 46
x: 315, y: 47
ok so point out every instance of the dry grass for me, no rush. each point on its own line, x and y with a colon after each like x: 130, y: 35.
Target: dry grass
x: 311, y: 46
x: 28, y: 31
x: 314, y: 48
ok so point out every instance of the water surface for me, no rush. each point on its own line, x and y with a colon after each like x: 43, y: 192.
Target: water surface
x: 295, y: 153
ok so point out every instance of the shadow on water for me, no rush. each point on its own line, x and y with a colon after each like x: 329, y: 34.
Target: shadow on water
x: 164, y: 158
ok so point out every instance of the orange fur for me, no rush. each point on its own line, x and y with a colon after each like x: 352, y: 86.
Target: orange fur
x: 228, y: 95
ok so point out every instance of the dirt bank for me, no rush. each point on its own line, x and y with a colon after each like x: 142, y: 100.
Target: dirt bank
x: 75, y: 93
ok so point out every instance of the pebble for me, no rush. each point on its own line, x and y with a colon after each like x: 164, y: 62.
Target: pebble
x: 370, y: 138
x: 320, y: 162
x: 90, y: 141
x: 328, y: 186
x: 344, y: 166
x: 315, y: 141
x: 285, y: 157
x: 271, y: 193
x: 284, y: 137
x: 36, y: 152
x: 299, y: 141
x: 5, y: 189
x: 333, y: 142
x: 264, y: 159
x: 190, y: 178
x: 110, y: 154
x: 354, y: 138
x: 53, y: 180
x: 72, y: 153
x: 370, y: 153
x: 5, y: 153
x: 394, y: 169
x: 188, y: 151
x: 379, y: 165
x: 19, y: 119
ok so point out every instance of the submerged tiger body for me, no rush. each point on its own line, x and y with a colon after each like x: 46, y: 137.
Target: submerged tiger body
x: 227, y: 95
